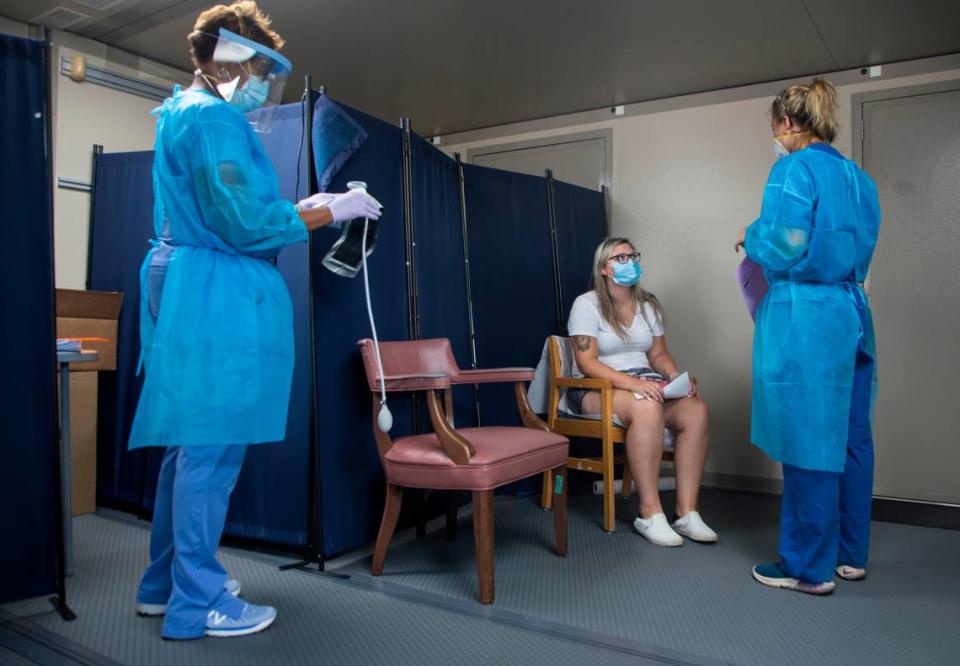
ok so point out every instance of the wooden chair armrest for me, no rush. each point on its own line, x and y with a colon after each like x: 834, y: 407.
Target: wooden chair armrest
x: 589, y: 383
x: 493, y: 376
x: 457, y: 447
x: 527, y: 415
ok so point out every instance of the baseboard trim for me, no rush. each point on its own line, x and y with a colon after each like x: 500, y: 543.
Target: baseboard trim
x: 754, y: 484
x: 913, y: 512
x: 885, y: 509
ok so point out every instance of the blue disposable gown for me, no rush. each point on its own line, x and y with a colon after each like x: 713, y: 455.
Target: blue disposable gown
x: 814, y: 238
x: 219, y: 355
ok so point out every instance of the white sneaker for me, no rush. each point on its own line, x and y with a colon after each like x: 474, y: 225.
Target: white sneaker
x: 155, y: 610
x: 847, y: 572
x: 656, y: 530
x: 693, y: 527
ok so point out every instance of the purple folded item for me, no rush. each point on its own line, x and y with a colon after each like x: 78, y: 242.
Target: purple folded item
x: 752, y: 283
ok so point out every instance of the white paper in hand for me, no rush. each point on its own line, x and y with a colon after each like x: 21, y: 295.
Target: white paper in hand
x: 678, y: 388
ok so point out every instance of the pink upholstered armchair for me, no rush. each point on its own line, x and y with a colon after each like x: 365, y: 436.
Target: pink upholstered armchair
x: 474, y: 459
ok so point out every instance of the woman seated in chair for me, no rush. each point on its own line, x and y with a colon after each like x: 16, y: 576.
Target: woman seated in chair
x: 617, y: 332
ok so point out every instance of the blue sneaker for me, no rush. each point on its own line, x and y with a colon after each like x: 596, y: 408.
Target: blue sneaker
x: 252, y: 619
x: 773, y: 576
x: 155, y: 610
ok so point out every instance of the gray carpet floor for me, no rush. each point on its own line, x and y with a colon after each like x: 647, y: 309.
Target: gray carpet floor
x: 322, y: 620
x: 614, y: 599
x: 701, y: 600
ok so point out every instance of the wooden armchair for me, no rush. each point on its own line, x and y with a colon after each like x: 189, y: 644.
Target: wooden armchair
x: 474, y: 459
x: 604, y: 426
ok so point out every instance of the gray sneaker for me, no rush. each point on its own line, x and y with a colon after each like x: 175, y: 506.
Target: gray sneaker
x: 253, y: 619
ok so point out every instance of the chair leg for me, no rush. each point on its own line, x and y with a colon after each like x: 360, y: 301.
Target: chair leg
x: 453, y: 503
x: 391, y: 511
x: 483, y: 542
x: 560, y: 509
x: 546, y: 495
x: 627, y: 479
x: 609, y: 516
x: 420, y: 502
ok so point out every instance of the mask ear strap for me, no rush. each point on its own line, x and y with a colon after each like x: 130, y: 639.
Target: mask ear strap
x: 206, y: 80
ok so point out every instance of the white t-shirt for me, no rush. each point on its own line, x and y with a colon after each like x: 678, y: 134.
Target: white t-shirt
x: 585, y: 319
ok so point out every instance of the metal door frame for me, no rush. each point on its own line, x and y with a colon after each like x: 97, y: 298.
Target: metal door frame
x: 860, y: 100
x: 904, y: 510
x: 606, y: 178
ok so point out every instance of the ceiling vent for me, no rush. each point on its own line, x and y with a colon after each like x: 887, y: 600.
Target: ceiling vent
x: 97, y: 5
x: 59, y: 17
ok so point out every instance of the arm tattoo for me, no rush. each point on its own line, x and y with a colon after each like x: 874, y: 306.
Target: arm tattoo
x: 582, y: 342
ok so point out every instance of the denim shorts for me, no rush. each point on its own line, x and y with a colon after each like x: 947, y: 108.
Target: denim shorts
x: 575, y: 395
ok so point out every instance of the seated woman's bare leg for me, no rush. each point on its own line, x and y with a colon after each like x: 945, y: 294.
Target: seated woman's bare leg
x: 690, y: 419
x: 644, y: 420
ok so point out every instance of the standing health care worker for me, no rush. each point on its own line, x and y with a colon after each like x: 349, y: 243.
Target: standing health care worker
x: 813, y: 352
x: 216, y: 316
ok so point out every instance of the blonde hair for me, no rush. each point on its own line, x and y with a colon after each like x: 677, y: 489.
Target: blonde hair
x: 243, y: 18
x: 608, y: 309
x: 812, y: 107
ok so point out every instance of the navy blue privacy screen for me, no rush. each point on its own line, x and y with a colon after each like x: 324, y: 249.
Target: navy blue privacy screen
x: 28, y: 409
x: 351, y: 479
x: 122, y: 204
x: 270, y: 500
x: 511, y: 269
x: 441, y: 281
x: 580, y: 220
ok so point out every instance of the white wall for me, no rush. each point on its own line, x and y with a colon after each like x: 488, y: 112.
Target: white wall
x: 15, y: 28
x: 685, y: 180
x: 85, y: 114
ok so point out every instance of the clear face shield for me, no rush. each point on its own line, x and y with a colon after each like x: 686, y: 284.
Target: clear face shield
x: 250, y: 76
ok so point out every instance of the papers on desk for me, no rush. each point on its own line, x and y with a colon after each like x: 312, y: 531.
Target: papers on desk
x: 68, y: 345
x: 678, y: 388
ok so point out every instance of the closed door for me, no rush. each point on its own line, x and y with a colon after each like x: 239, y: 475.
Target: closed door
x: 911, y: 147
x: 582, y: 159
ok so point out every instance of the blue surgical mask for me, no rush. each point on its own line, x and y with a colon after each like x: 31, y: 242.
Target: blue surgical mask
x: 251, y: 95
x: 627, y: 274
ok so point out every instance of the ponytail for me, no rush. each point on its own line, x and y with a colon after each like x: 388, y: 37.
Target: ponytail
x: 812, y: 107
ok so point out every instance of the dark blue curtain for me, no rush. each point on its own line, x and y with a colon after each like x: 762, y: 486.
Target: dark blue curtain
x: 511, y: 269
x: 441, y: 280
x: 122, y: 222
x: 28, y: 365
x: 580, y: 221
x: 270, y: 500
x: 514, y: 307
x: 351, y: 479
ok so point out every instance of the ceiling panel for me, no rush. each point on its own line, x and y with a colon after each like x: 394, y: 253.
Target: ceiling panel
x: 868, y: 32
x: 461, y: 65
x: 453, y: 65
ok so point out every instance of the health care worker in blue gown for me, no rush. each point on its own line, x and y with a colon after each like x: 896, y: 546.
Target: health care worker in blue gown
x: 216, y: 319
x: 814, y: 354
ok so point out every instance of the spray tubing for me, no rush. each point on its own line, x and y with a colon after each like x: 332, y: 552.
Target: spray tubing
x: 384, y: 417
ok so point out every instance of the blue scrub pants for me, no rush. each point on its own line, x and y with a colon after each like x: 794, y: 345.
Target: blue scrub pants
x: 193, y: 493
x: 825, y: 518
